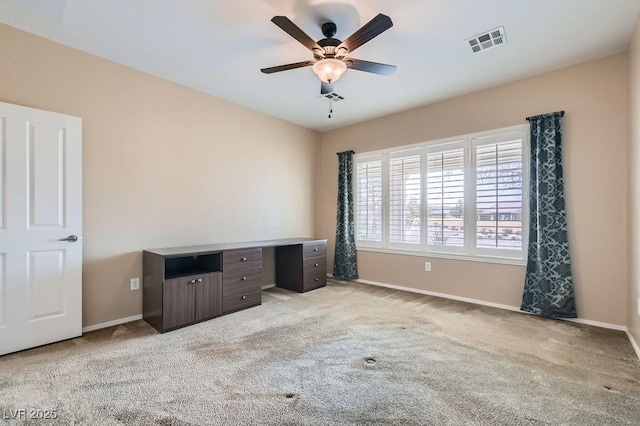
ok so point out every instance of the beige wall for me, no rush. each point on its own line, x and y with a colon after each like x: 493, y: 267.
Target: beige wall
x: 596, y: 171
x: 634, y: 137
x: 163, y: 165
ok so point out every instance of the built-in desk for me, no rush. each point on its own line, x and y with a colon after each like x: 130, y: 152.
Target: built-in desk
x: 185, y: 285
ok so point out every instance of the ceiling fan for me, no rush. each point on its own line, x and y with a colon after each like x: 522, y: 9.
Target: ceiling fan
x: 330, y: 59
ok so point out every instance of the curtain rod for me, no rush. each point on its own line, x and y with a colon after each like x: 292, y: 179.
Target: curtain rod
x: 338, y: 153
x: 542, y: 115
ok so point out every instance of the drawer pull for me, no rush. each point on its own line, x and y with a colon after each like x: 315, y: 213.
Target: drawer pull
x: 244, y: 297
x: 316, y: 265
x: 243, y: 259
x: 199, y: 280
x: 315, y: 249
x: 243, y: 279
x: 317, y: 279
x: 192, y: 282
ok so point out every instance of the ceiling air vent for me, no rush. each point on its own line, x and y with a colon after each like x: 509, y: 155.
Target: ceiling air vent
x: 334, y: 97
x: 487, y: 40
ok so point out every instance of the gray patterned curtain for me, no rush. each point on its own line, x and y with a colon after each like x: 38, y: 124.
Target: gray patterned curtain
x: 345, y: 264
x: 548, y: 287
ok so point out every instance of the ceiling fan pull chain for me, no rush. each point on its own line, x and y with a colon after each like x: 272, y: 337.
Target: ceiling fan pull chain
x: 330, y: 107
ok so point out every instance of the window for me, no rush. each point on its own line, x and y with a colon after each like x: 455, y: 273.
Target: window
x: 499, y: 195
x: 462, y: 197
x: 445, y: 198
x: 404, y: 200
x: 369, y: 200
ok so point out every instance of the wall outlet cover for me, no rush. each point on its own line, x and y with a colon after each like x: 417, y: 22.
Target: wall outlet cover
x: 135, y: 284
x: 638, y: 305
x: 427, y: 266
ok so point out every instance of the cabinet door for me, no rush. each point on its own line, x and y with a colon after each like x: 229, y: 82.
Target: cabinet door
x: 178, y: 297
x: 208, y: 296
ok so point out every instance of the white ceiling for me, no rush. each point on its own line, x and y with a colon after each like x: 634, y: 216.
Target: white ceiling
x: 219, y: 46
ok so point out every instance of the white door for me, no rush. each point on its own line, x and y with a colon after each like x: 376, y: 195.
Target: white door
x: 40, y: 205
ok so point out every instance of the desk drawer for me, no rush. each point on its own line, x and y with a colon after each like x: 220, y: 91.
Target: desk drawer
x: 314, y: 249
x: 242, y: 279
x: 245, y: 259
x: 314, y: 279
x: 314, y: 273
x: 240, y: 297
x: 313, y: 265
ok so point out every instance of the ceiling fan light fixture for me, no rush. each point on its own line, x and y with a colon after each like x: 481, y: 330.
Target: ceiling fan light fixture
x: 329, y: 70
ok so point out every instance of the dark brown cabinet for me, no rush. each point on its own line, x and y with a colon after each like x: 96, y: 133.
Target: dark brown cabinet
x: 242, y: 279
x: 182, y: 286
x: 191, y: 299
x: 180, y: 290
x: 302, y: 267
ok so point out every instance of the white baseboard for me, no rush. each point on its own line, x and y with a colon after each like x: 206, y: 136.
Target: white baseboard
x: 111, y: 323
x: 442, y: 295
x: 491, y: 304
x: 268, y: 286
x: 633, y: 343
x: 500, y: 306
x: 595, y: 323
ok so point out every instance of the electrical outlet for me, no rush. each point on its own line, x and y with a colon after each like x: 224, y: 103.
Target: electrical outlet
x: 638, y: 305
x: 135, y: 283
x: 427, y: 266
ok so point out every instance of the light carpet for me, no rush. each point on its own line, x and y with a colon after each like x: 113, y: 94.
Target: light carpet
x: 344, y: 354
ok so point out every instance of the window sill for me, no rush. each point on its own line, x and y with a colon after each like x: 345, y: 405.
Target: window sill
x: 451, y: 256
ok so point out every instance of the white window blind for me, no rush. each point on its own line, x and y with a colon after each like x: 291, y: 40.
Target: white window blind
x: 499, y: 195
x: 404, y: 200
x: 464, y: 197
x: 369, y: 200
x: 445, y: 198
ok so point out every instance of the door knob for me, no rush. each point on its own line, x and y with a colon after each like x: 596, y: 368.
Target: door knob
x: 70, y: 238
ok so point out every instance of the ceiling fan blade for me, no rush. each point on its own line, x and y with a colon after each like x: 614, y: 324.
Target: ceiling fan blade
x: 325, y: 88
x: 371, y: 29
x: 372, y: 67
x: 294, y: 31
x: 286, y: 67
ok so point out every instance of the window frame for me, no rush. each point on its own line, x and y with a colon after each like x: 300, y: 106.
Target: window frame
x: 470, y: 251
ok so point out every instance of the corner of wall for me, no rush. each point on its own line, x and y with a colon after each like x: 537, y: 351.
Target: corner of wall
x: 633, y: 100
x: 317, y: 182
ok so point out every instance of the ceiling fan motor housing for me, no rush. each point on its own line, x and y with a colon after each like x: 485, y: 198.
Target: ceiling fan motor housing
x: 329, y: 29
x: 329, y: 43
